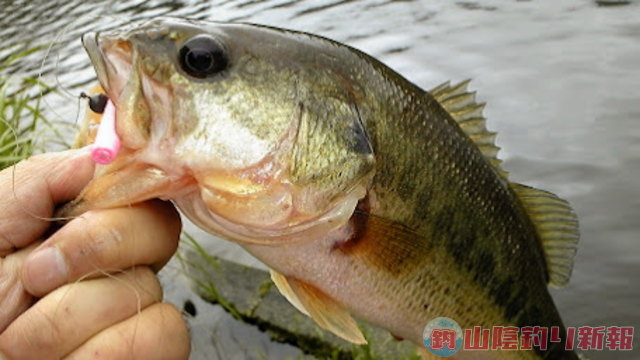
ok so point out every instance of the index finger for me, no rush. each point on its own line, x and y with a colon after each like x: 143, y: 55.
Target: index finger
x: 31, y: 189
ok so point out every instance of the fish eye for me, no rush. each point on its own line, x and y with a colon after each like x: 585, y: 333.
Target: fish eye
x: 202, y: 57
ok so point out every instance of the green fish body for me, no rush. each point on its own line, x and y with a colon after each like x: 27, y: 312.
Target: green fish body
x: 365, y: 194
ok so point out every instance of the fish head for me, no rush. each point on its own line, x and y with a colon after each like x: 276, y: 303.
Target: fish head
x: 253, y: 132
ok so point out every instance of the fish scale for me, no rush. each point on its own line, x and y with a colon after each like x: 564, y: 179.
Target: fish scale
x: 473, y: 231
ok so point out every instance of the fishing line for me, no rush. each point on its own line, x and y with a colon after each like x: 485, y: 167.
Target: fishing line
x: 14, y: 169
x: 112, y: 274
x: 128, y: 283
x: 51, y: 126
x: 15, y: 144
x: 66, y: 93
x: 24, y: 208
x: 59, y: 85
x: 56, y: 66
x: 129, y: 279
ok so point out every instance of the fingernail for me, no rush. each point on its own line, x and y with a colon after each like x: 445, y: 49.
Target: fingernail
x: 86, y: 149
x: 81, y: 152
x: 77, y: 152
x: 45, y: 270
x: 2, y: 357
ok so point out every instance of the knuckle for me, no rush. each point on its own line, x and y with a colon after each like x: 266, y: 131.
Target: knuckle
x: 102, y: 242
x: 168, y: 217
x: 47, y: 330
x: 179, y: 329
x: 37, y: 336
x: 145, y: 275
x: 169, y: 317
x: 6, y: 244
x: 147, y: 282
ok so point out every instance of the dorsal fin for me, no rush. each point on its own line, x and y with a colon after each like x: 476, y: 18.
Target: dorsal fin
x: 461, y: 105
x: 557, y: 227
x: 555, y: 221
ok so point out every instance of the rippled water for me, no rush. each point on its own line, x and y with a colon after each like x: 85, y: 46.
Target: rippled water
x: 561, y: 80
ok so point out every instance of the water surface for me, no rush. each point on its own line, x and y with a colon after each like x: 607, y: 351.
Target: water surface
x: 561, y: 81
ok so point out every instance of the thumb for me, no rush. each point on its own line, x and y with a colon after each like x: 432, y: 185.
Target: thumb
x: 32, y: 188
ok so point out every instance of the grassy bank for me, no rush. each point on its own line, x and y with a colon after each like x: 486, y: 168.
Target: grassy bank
x: 22, y: 123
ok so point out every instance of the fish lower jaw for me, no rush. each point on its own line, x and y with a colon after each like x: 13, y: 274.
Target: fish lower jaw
x: 289, y: 228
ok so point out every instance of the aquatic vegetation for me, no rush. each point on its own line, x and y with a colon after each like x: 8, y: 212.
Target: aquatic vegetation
x: 18, y: 121
x: 24, y: 129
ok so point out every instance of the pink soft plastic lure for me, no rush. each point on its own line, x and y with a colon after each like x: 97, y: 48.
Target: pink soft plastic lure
x: 107, y: 144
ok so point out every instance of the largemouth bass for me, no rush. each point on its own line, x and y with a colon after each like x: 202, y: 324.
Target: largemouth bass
x: 367, y: 195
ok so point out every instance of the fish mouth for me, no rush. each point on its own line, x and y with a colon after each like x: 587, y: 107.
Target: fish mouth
x: 112, y: 59
x: 97, y: 57
x: 134, y: 176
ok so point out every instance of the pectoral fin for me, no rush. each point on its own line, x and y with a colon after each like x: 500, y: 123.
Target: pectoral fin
x: 325, y: 311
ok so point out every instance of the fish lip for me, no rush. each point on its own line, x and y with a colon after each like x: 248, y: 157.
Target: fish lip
x: 97, y: 57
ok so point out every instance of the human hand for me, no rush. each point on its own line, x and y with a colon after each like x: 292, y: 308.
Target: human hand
x: 82, y: 313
